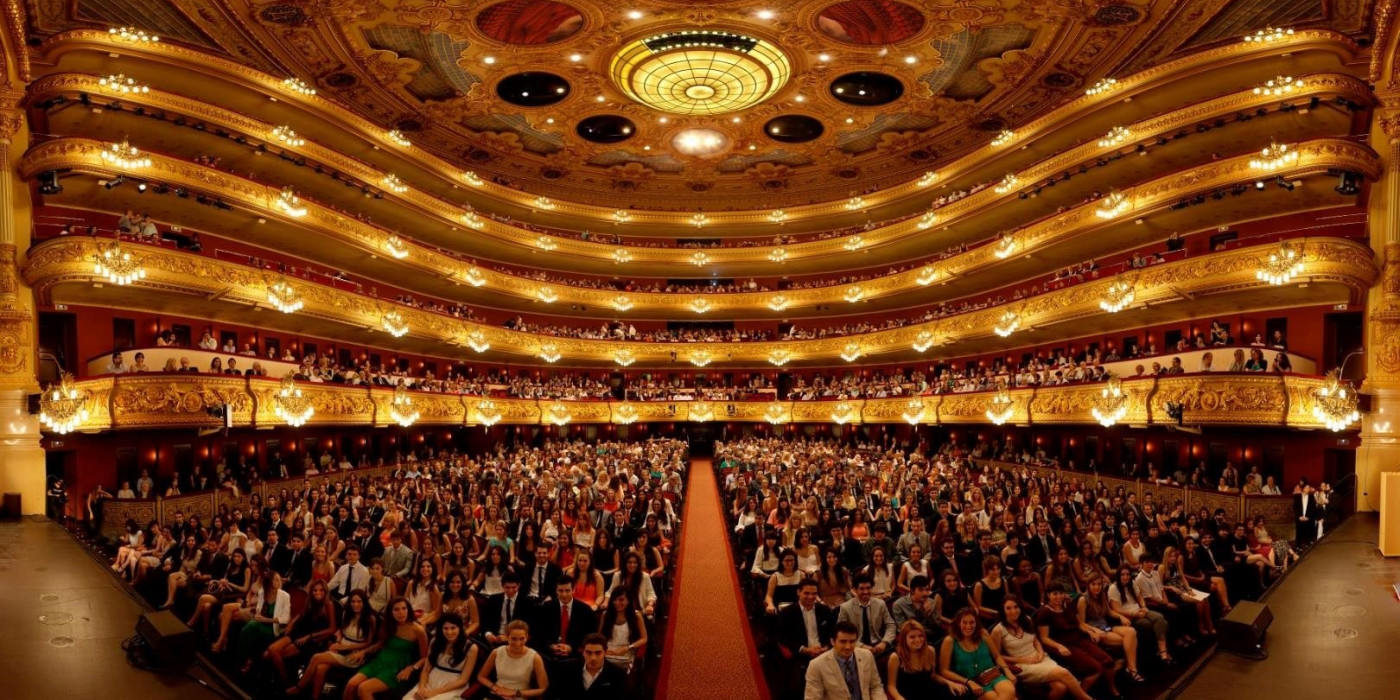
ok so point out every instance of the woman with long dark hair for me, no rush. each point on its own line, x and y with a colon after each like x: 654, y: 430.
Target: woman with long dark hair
x: 625, y: 630
x: 402, y: 641
x: 633, y: 579
x: 307, y: 634
x: 457, y: 599
x: 968, y: 659
x: 1016, y: 640
x: 359, y: 630
x: 446, y: 670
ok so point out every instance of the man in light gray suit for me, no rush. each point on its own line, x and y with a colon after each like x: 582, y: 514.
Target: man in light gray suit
x: 845, y: 672
x: 874, y: 625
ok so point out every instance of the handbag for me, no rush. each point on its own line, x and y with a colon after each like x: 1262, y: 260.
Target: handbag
x: 987, y: 676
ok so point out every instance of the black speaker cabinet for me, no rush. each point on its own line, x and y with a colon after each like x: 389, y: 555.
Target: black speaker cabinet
x: 171, y: 641
x: 1242, y: 631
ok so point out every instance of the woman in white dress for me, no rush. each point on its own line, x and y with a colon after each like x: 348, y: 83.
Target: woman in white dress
x: 1016, y: 641
x: 511, y: 670
x: 447, y: 668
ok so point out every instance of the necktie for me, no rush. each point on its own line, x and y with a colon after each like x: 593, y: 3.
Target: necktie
x: 539, y: 581
x: 865, y: 625
x: 349, y: 578
x: 510, y: 606
x: 848, y: 671
x: 563, y: 622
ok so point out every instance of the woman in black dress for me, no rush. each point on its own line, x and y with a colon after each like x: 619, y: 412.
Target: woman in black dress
x: 950, y: 598
x: 913, y: 667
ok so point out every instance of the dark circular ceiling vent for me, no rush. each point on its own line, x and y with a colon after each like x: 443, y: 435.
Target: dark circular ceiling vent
x: 606, y: 128
x: 341, y: 80
x: 793, y: 128
x: 867, y: 88
x: 533, y: 89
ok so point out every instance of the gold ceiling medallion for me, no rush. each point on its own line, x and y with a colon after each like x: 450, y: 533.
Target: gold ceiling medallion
x: 843, y: 413
x: 118, y: 266
x: 775, y: 414
x: 1110, y: 403
x: 1336, y: 404
x: 293, y: 407
x: 63, y: 406
x: 486, y: 412
x: 393, y: 323
x: 401, y: 407
x: 1000, y: 407
x: 625, y: 414
x: 1104, y: 85
x: 397, y: 247
x: 476, y: 340
x: 700, y: 358
x: 1280, y: 267
x: 913, y: 411
x: 1273, y: 157
x: 1007, y: 324
x: 851, y: 352
x: 700, y: 71
x: 1117, y: 296
x: 549, y: 352
x: 558, y: 414
x: 622, y: 303
x: 779, y: 302
x: 778, y: 358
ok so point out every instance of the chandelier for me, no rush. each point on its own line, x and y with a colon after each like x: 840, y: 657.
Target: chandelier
x: 914, y: 411
x: 779, y: 302
x: 474, y: 277
x: 698, y: 219
x: 1274, y: 156
x: 487, y: 413
x: 622, y: 303
x: 401, y: 407
x: 778, y: 255
x: 1003, y: 137
x: 775, y: 414
x: 397, y: 247
x: 546, y: 295
x: 625, y: 414
x: 63, y: 407
x: 699, y: 259
x: 283, y: 297
x: 621, y: 216
x: 1336, y: 404
x: 778, y: 358
x: 624, y: 357
x: 472, y: 220
x: 472, y: 178
x: 700, y: 306
x: 851, y: 352
x: 397, y: 138
x: 287, y: 136
x: 1000, y: 407
x: 1280, y: 267
x: 549, y: 352
x: 1007, y: 324
x: 393, y: 323
x: 1006, y: 245
x: 118, y: 266
x: 927, y: 276
x: 293, y: 407
x: 929, y: 177
x: 855, y: 203
x: 1281, y: 85
x: 558, y: 414
x: 394, y: 184
x: 546, y: 244
x: 1114, y: 204
x: 777, y: 216
x: 298, y: 86
x: 1117, y: 296
x: 290, y: 204
x: 622, y: 256
x: 1110, y: 404
x: 853, y: 243
x: 700, y: 358
x: 1007, y: 184
x: 123, y: 85
x: 1268, y: 35
x: 125, y: 156
x: 1115, y: 136
x: 928, y: 220
x: 854, y: 294
x: 133, y: 35
x: 1104, y: 85
x: 476, y: 340
x: 843, y: 413
x: 923, y: 341
x: 544, y: 203
x: 701, y: 412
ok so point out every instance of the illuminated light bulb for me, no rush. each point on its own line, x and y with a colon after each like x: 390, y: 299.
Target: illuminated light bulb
x: 283, y: 297
x: 698, y: 220
x: 851, y: 352
x: 1003, y: 137
x: 474, y: 277
x: 545, y: 243
x: 778, y: 255
x: 118, y: 266
x: 624, y: 357
x: 549, y: 352
x: 396, y: 246
x: 1005, y: 247
x: 1110, y: 403
x: 621, y: 256
x: 700, y: 358
x: 394, y: 184
x: 779, y: 302
x: 625, y: 414
x: 1115, y: 136
x: 486, y: 413
x: 927, y: 276
x: 394, y: 323
x: 476, y: 340
x: 699, y: 259
x: 621, y: 216
x: 775, y: 414
x: 1268, y: 35
x: 543, y: 202
x: 290, y: 204
x: 1104, y: 85
x: 123, y: 85
x: 1273, y: 157
x: 1278, y: 86
x: 287, y: 136
x: 1117, y: 296
x: 1007, y: 324
x: 923, y: 341
x: 913, y: 411
x: 132, y: 35
x: 1000, y: 407
x: 472, y: 178
x: 777, y: 216
x: 558, y: 414
x: 854, y: 294
x: 1007, y: 184
x: 1112, y: 206
x: 843, y: 413
x: 855, y: 203
x: 928, y: 178
x: 546, y: 295
x: 397, y: 138
x: 853, y: 243
x: 472, y: 220
x: 700, y: 306
x: 622, y: 303
x: 401, y: 407
x: 778, y: 358
x: 1280, y: 267
x: 928, y: 220
x: 125, y: 156
x: 298, y: 86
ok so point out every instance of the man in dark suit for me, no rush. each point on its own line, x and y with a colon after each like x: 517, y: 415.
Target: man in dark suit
x: 298, y: 568
x: 804, y: 633
x: 539, y: 578
x: 370, y: 546
x: 501, y: 610
x: 276, y: 553
x: 1308, y: 512
x: 848, y: 550
x: 560, y: 625
x: 1042, y: 546
x: 592, y: 677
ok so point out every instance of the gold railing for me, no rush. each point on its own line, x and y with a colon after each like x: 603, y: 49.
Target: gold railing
x: 184, y: 400
x: 1326, y: 260
x: 231, y: 73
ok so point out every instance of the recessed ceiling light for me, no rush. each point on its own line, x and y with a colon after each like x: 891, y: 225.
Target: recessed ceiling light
x: 753, y: 147
x: 663, y: 120
x: 736, y: 120
x: 634, y: 14
x: 489, y: 60
x: 823, y: 57
x: 560, y: 89
x: 765, y: 14
x: 800, y: 98
x: 850, y: 120
x: 575, y: 57
x: 549, y: 120
x: 911, y: 59
x: 600, y: 98
x: 646, y: 148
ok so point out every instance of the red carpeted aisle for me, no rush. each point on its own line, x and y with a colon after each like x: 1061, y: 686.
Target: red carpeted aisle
x: 710, y: 651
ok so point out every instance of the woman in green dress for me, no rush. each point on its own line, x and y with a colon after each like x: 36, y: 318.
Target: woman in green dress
x: 968, y: 658
x: 404, y: 641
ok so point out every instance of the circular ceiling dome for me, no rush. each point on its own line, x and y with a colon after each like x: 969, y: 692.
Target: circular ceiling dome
x: 704, y: 72
x: 867, y: 88
x: 870, y: 22
x: 532, y: 89
x: 793, y: 128
x: 528, y: 22
x: 606, y: 128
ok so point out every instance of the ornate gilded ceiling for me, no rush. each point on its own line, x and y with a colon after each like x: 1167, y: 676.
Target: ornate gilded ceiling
x: 784, y: 102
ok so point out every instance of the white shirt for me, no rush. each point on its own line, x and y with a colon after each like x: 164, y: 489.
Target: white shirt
x: 589, y: 677
x: 809, y: 618
x: 348, y: 579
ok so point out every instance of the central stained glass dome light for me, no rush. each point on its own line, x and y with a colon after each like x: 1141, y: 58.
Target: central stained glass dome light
x: 704, y: 72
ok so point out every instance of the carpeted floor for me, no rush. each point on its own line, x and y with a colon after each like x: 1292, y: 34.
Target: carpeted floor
x: 710, y: 653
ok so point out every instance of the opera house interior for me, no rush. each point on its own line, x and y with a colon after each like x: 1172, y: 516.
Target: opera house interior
x: 691, y: 349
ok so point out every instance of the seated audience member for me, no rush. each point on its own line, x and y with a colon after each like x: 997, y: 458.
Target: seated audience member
x: 845, y: 671
x: 357, y: 634
x: 1060, y: 633
x: 500, y: 611
x: 1124, y: 602
x: 402, y: 643
x: 446, y: 671
x: 514, y: 670
x: 590, y: 678
x: 1107, y: 628
x: 870, y: 617
x: 561, y: 624
x: 967, y: 658
x: 309, y: 632
x: 918, y: 607
x: 912, y: 670
x: 115, y: 365
x: 1015, y: 639
x: 622, y: 623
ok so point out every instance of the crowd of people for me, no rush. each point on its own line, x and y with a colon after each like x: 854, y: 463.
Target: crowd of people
x: 929, y: 573
x: 525, y: 572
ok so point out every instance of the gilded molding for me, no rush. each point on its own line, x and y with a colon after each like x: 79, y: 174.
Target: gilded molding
x: 1339, y: 261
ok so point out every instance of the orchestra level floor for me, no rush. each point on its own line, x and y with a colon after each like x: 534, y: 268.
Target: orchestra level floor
x: 1336, y: 621
x: 64, y: 619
